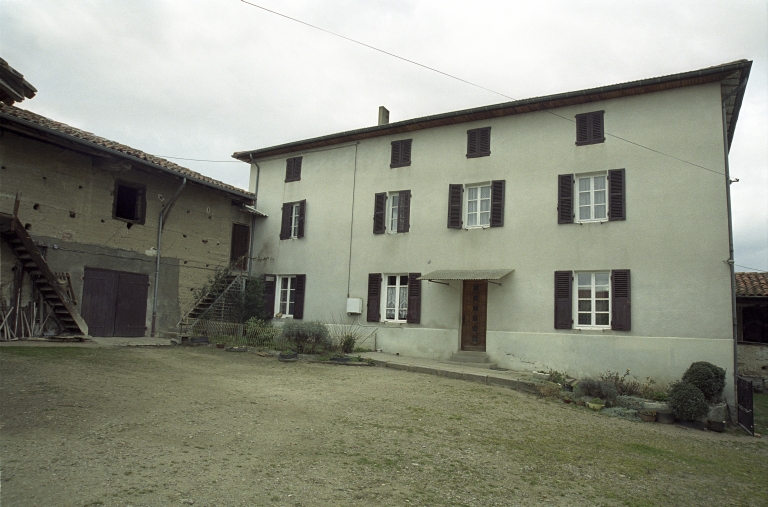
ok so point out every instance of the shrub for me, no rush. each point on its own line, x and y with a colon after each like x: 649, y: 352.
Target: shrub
x: 557, y: 377
x: 549, y: 389
x: 593, y: 388
x: 348, y: 343
x: 687, y: 401
x: 625, y: 385
x: 710, y: 379
x: 660, y: 396
x: 307, y: 337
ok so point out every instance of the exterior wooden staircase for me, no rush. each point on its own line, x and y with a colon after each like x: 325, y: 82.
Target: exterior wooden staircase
x: 45, y: 280
x: 217, y: 304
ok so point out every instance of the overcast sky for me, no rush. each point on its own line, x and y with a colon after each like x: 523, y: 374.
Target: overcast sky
x: 203, y: 79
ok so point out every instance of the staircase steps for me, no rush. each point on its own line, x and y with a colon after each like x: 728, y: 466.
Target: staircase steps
x: 215, y: 304
x: 472, y: 359
x: 12, y: 232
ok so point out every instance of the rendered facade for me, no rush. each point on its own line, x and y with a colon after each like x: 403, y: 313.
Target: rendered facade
x: 582, y: 232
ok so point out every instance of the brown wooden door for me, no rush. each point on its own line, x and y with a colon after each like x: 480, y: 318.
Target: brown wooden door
x: 241, y: 237
x: 474, y: 305
x: 115, y: 302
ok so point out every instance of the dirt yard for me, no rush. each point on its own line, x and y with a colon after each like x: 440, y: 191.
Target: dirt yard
x: 87, y: 426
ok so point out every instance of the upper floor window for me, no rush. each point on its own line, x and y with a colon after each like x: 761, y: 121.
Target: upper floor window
x: 392, y: 212
x: 589, y: 128
x: 294, y: 214
x: 476, y: 205
x: 401, y: 153
x: 594, y: 197
x: 479, y: 142
x: 130, y: 202
x: 293, y: 169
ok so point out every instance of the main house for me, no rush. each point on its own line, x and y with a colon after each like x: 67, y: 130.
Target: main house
x: 81, y: 249
x: 585, y: 231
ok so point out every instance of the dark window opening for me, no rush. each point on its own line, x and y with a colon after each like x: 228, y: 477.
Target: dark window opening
x: 130, y: 202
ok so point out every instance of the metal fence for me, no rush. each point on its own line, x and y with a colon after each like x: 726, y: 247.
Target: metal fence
x: 263, y: 337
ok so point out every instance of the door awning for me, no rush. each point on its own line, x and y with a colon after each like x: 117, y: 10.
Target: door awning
x: 466, y: 274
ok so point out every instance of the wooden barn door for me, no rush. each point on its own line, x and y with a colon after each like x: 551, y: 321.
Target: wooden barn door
x: 474, y: 306
x: 115, y: 302
x: 241, y: 238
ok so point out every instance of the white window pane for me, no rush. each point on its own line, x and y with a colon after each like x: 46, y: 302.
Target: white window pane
x: 391, y: 297
x: 485, y: 205
x: 585, y: 305
x: 601, y: 305
x: 485, y: 192
x: 404, y: 280
x: 394, y: 199
x: 601, y: 278
x: 585, y: 319
x: 601, y: 319
x: 403, y: 306
x: 485, y: 218
x: 584, y: 213
x: 585, y: 279
x: 600, y: 211
x: 600, y: 197
x: 472, y: 193
x: 391, y: 280
x: 584, y: 199
x: 599, y: 182
x: 390, y: 314
x: 472, y: 219
x: 472, y: 207
x: 583, y: 184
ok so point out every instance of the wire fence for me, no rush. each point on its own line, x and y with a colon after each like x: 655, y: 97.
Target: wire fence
x: 263, y: 337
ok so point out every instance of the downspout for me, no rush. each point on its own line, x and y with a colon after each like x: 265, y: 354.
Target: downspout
x: 731, y: 260
x: 161, y: 217
x: 253, y: 217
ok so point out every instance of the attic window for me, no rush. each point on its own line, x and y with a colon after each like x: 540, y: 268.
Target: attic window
x: 130, y: 203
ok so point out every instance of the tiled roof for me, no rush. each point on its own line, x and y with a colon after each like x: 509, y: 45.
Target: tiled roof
x: 752, y: 284
x: 33, y: 120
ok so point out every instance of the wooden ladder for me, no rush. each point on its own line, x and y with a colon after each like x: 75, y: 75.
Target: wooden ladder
x: 45, y: 280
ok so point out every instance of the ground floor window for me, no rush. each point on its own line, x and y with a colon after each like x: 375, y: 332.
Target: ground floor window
x: 396, y: 298
x: 593, y: 299
x: 286, y: 299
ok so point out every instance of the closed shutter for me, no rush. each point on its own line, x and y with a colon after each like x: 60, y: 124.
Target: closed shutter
x: 374, y: 297
x: 596, y: 131
x: 484, y: 141
x: 497, y: 203
x: 589, y: 128
x: 270, y: 285
x: 563, y: 300
x: 285, y: 224
x: 565, y: 199
x: 616, y: 199
x: 414, y: 298
x: 406, y: 156
x: 621, y: 303
x: 288, y: 170
x: 298, y: 297
x: 472, y: 143
x: 454, y: 206
x: 293, y: 169
x: 396, y: 153
x: 302, y: 218
x: 404, y: 211
x: 297, y: 169
x: 582, y: 129
x: 379, y: 213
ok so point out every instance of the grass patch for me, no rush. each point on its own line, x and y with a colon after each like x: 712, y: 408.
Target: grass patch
x: 760, y: 405
x: 47, y: 352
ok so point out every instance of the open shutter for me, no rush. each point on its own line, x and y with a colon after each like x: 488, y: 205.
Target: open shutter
x: 379, y: 213
x: 270, y: 285
x: 582, y: 129
x: 472, y: 143
x: 414, y: 299
x: 296, y: 169
x: 484, y: 141
x: 616, y: 198
x: 374, y: 297
x: 285, y: 224
x: 298, y: 297
x: 621, y: 303
x: 396, y: 153
x: 406, y: 156
x: 289, y: 170
x: 141, y: 205
x: 302, y: 217
x: 454, y: 206
x: 565, y: 199
x: 404, y: 211
x: 563, y: 301
x: 497, y: 203
x: 596, y: 131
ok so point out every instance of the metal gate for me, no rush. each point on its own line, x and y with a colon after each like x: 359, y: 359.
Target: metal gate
x: 746, y: 415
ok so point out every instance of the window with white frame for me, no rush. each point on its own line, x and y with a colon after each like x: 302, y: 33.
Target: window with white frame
x: 286, y: 296
x: 295, y: 212
x: 592, y: 197
x: 593, y: 299
x: 478, y: 205
x: 393, y: 204
x: 395, y: 300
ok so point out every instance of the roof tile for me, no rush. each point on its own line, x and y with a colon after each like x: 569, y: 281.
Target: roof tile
x: 752, y: 284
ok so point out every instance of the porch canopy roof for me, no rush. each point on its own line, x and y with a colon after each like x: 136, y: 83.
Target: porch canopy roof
x: 466, y: 274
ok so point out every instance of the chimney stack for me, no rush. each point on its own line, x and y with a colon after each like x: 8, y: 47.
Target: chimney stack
x: 383, y: 115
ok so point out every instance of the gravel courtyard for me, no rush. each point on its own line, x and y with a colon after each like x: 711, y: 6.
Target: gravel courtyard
x: 99, y: 426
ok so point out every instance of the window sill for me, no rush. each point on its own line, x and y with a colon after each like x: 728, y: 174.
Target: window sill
x: 478, y: 155
x: 394, y: 166
x: 602, y: 220
x: 586, y: 143
x: 592, y: 328
x: 398, y: 322
x: 474, y: 227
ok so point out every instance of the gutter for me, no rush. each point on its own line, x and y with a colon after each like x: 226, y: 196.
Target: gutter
x: 161, y: 218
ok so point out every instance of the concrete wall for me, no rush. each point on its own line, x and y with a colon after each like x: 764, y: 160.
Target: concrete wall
x: 67, y: 200
x: 674, y: 240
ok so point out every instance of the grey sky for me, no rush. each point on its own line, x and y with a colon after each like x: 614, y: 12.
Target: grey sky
x: 202, y: 79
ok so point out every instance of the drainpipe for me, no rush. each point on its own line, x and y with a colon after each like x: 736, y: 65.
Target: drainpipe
x: 730, y: 261
x: 253, y: 218
x: 161, y: 218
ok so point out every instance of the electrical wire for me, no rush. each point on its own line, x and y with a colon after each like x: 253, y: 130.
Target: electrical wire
x: 468, y: 82
x: 753, y: 269
x: 200, y: 159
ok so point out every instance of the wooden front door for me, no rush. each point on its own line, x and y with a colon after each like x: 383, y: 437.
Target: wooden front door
x: 241, y: 238
x: 474, y: 304
x: 115, y: 302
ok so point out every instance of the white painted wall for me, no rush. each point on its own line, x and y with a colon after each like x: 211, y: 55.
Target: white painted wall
x: 674, y: 240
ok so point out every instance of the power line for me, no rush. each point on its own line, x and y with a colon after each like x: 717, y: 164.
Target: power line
x: 200, y: 159
x: 753, y: 269
x: 467, y: 82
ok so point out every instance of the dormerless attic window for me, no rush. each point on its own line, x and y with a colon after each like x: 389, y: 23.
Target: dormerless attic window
x: 130, y: 202
x: 401, y: 153
x: 479, y: 142
x: 590, y: 128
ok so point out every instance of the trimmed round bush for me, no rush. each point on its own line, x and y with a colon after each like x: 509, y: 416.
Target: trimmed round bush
x: 687, y: 401
x: 710, y: 379
x: 592, y: 388
x: 306, y: 337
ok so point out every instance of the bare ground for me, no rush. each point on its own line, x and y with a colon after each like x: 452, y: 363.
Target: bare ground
x: 180, y: 426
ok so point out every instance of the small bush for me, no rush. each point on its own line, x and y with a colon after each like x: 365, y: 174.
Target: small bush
x: 307, y: 337
x: 630, y: 402
x: 557, y: 377
x: 348, y: 344
x: 592, y: 388
x: 660, y: 396
x: 624, y: 384
x: 710, y: 379
x: 687, y: 401
x: 623, y: 413
x: 549, y: 390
